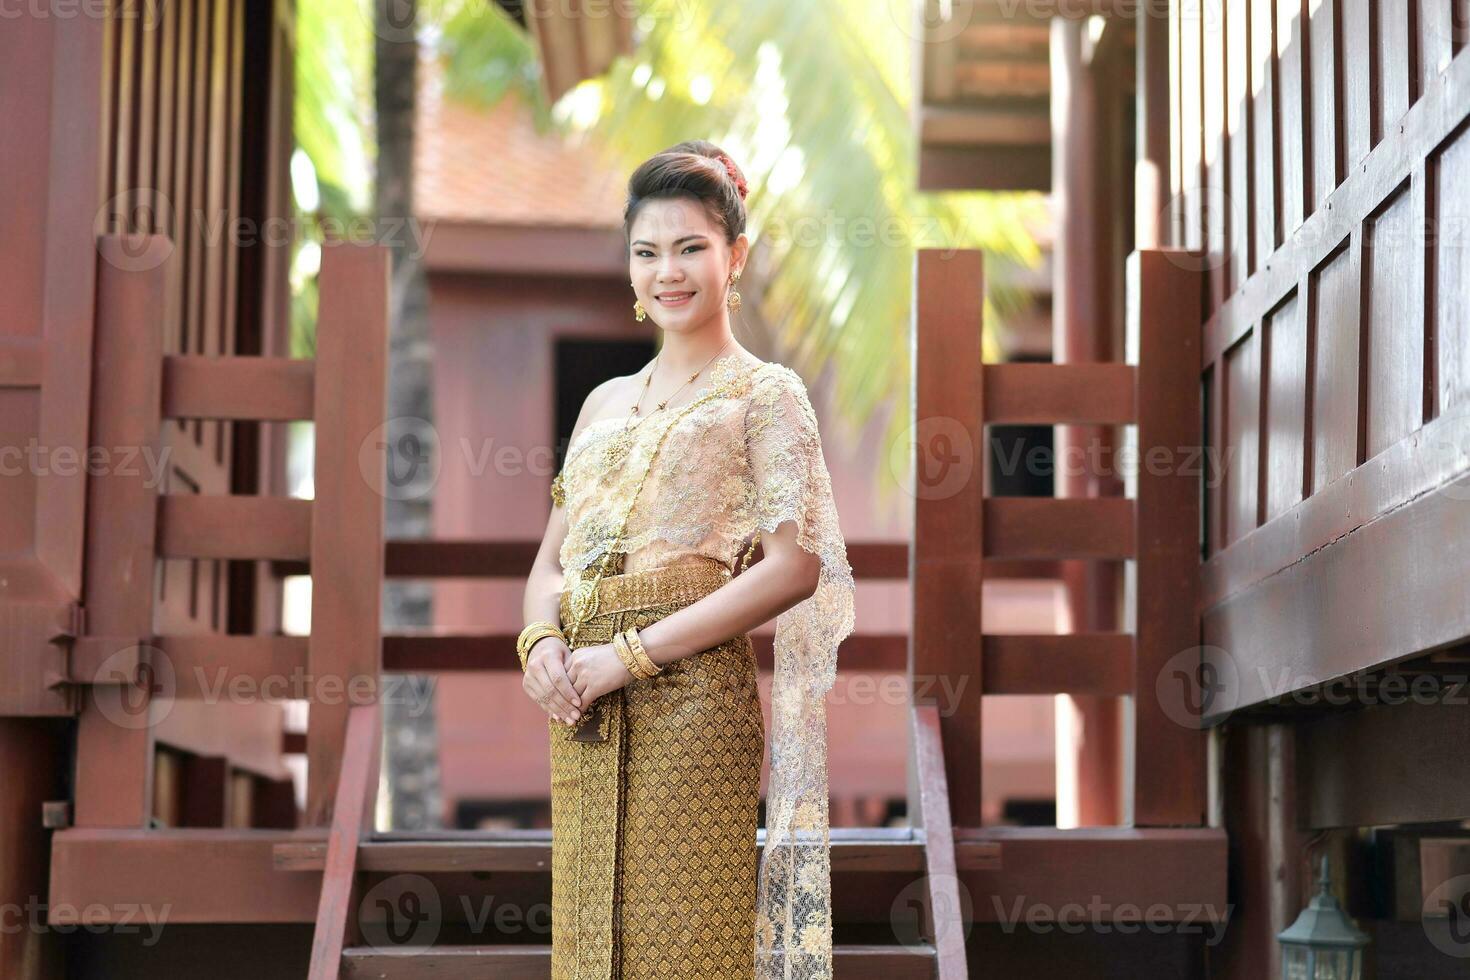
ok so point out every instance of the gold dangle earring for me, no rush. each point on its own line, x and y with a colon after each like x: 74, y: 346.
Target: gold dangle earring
x: 638, y: 311
x: 733, y: 300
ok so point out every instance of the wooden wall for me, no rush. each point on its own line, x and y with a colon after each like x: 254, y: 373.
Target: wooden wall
x: 189, y: 93
x: 1320, y: 156
x: 1319, y: 151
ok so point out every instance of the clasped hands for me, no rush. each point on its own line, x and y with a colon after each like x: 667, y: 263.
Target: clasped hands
x: 565, y: 681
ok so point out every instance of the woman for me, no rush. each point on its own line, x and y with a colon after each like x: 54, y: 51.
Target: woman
x: 638, y: 644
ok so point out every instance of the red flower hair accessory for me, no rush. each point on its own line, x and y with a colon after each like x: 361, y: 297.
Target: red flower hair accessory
x: 734, y: 173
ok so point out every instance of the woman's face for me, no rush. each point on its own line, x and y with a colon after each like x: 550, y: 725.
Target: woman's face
x: 679, y: 263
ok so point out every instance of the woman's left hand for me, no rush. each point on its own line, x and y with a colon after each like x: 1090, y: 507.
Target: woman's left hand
x: 597, y: 669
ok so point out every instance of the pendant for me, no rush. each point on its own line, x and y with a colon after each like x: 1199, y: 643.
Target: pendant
x: 616, y: 449
x: 584, y: 601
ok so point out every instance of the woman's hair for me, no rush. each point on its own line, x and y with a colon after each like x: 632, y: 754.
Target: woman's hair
x: 696, y: 169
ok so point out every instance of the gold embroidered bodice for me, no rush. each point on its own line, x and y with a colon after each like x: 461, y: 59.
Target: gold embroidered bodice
x: 742, y: 461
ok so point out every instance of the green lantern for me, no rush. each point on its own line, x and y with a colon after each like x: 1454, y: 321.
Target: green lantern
x: 1323, y: 943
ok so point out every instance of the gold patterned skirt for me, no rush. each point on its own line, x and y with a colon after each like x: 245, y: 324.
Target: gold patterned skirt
x: 653, y: 801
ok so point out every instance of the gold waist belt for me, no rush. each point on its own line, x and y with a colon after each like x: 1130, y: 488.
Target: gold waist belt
x: 683, y: 582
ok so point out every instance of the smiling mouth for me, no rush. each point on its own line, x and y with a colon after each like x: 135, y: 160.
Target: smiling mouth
x: 673, y: 297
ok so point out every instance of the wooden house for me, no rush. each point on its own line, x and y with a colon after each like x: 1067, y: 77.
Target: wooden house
x: 1259, y: 352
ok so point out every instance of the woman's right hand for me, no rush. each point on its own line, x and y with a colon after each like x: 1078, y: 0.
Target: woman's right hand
x: 547, y: 683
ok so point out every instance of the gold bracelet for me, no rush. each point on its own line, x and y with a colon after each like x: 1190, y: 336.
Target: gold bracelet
x: 620, y: 646
x: 536, y: 627
x: 533, y: 634
x: 635, y: 644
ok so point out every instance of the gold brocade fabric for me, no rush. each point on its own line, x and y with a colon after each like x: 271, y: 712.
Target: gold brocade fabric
x: 653, y: 828
x: 746, y: 458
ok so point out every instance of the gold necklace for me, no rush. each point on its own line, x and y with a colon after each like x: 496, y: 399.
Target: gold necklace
x: 583, y: 600
x: 616, y: 449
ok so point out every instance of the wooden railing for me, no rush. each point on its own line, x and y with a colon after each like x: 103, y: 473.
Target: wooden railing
x: 958, y: 529
x: 132, y: 525
x: 352, y: 819
x: 439, y: 650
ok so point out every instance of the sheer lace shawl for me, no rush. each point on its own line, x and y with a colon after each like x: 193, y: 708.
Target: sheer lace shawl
x: 794, y: 892
x: 748, y: 459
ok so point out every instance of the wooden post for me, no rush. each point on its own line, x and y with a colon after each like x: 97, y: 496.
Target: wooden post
x: 114, y: 772
x: 345, y: 648
x: 949, y: 489
x: 1164, y: 288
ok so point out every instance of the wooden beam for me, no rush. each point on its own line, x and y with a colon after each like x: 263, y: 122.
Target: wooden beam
x: 524, y: 962
x: 854, y: 850
x: 272, y: 389
x: 440, y: 652
x: 1180, y: 870
x: 526, y: 250
x: 1351, y: 769
x: 950, y: 514
x: 1164, y: 295
x: 971, y: 126
x: 211, y: 666
x: 114, y: 770
x: 119, y: 870
x: 1388, y: 591
x: 945, y: 918
x: 985, y: 168
x: 1066, y: 663
x: 113, y: 875
x: 472, y: 558
x: 352, y: 814
x: 1057, y: 394
x: 1056, y: 527
x: 1398, y: 477
x: 347, y: 515
x: 233, y: 527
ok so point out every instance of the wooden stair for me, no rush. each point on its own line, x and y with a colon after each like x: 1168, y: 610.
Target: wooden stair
x: 534, y: 963
x: 410, y: 905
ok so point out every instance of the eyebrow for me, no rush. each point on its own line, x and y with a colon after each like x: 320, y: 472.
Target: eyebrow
x: 644, y: 241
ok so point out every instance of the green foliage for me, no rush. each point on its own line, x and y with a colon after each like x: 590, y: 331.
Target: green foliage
x: 812, y: 99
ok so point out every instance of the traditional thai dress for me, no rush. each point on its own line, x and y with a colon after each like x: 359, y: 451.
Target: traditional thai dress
x: 655, y: 872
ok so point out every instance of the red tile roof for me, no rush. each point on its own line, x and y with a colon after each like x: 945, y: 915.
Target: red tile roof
x: 492, y: 166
